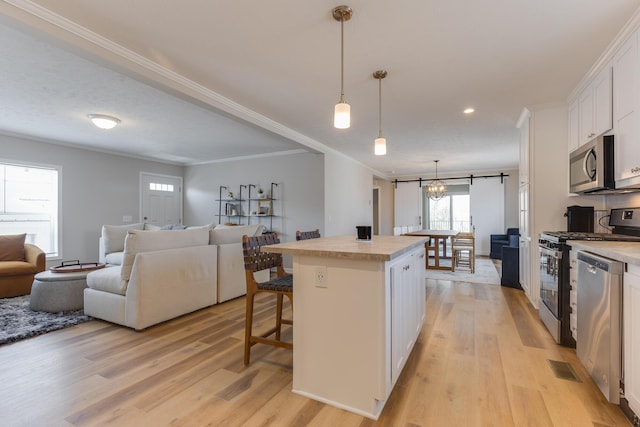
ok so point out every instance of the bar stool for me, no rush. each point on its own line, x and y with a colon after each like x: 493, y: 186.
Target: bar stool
x: 281, y: 286
x: 305, y: 235
x: 463, y: 250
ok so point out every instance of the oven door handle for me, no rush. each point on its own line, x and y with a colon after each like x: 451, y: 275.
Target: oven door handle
x: 550, y: 252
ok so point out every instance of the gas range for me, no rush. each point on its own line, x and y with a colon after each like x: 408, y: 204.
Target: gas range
x: 555, y: 265
x: 555, y: 239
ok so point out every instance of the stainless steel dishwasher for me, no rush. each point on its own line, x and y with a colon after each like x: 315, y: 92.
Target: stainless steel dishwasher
x: 599, y: 343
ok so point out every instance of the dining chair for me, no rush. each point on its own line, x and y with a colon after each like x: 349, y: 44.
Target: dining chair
x: 305, y: 235
x: 463, y: 250
x: 280, y: 286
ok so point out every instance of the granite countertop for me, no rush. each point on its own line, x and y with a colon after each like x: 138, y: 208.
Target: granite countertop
x: 628, y: 252
x: 380, y: 248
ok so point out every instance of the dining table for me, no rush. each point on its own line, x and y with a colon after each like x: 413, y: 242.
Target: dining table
x: 437, y: 236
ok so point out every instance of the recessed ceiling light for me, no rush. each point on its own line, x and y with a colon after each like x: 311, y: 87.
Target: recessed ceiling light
x: 469, y: 110
x: 104, y: 122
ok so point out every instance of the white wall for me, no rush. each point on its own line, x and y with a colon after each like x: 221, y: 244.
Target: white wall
x: 300, y: 191
x: 97, y: 189
x: 348, y: 195
x: 385, y: 202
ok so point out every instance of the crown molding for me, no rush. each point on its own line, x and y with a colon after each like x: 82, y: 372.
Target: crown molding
x: 625, y: 32
x: 107, y: 50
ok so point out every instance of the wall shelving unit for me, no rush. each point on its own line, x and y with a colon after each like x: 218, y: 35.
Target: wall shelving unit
x: 240, y: 210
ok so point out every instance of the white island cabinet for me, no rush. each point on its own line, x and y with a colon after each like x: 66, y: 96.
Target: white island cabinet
x: 358, y: 309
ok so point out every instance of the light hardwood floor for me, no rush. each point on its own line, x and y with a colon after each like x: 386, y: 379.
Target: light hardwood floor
x: 481, y: 360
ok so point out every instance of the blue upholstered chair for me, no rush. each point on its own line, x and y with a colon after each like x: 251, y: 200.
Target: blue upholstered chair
x: 500, y: 240
x: 511, y: 263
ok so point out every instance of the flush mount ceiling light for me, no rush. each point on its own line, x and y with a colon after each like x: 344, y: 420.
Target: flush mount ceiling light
x: 103, y: 121
x: 342, y: 112
x: 380, y: 143
x: 436, y: 189
x: 469, y: 110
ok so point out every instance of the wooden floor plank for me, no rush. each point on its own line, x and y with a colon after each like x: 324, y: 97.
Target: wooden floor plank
x: 480, y: 360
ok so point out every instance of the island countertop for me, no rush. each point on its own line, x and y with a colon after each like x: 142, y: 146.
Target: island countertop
x: 379, y: 248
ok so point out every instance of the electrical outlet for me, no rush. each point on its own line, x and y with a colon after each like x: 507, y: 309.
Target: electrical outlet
x: 320, y: 276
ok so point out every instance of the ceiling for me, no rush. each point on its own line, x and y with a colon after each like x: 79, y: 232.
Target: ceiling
x: 221, y: 80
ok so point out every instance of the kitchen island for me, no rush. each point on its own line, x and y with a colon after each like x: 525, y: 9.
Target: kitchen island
x: 358, y: 309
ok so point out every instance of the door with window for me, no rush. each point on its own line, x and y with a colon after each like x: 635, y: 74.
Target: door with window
x: 161, y: 199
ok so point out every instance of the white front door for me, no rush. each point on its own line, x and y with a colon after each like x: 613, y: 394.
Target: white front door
x: 486, y: 197
x: 161, y: 199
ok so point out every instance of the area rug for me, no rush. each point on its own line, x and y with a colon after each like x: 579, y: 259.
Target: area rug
x: 485, y: 272
x: 17, y: 321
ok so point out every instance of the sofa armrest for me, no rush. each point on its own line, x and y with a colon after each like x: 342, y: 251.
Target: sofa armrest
x: 169, y: 283
x: 35, y: 256
x: 510, y: 267
x: 499, y: 237
x: 101, y: 252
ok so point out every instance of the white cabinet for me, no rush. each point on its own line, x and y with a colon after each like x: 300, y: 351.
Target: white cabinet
x: 407, y: 308
x: 626, y: 115
x: 574, y: 125
x: 523, y: 166
x: 596, y: 106
x: 631, y: 330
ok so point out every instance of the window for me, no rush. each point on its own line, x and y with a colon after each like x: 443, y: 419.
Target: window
x: 452, y: 212
x: 29, y: 204
x: 154, y: 186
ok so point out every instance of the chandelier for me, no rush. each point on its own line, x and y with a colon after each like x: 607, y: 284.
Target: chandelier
x: 436, y: 189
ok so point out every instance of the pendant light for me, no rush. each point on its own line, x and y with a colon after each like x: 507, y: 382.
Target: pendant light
x: 342, y: 112
x: 436, y: 189
x: 380, y: 143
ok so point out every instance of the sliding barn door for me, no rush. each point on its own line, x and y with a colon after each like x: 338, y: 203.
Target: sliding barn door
x: 487, y: 211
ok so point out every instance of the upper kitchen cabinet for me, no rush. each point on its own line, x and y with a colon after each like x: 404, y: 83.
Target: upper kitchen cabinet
x: 595, y: 107
x: 626, y: 117
x: 574, y: 125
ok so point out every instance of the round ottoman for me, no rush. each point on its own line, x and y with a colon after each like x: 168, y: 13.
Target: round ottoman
x: 54, y: 292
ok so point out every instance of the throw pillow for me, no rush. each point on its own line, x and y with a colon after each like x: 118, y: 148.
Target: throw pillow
x: 12, y: 247
x: 113, y: 236
x: 223, y: 236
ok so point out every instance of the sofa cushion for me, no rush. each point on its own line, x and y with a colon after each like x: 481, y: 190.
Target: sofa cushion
x: 17, y: 268
x: 114, y: 258
x: 107, y: 279
x: 12, y: 247
x: 113, y: 236
x: 147, y: 241
x: 223, y: 236
x: 151, y: 227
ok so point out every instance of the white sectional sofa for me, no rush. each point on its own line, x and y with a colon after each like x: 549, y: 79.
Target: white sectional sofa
x: 129, y: 296
x: 164, y: 274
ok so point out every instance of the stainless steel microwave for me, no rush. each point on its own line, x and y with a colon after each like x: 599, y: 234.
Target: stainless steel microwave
x: 591, y: 166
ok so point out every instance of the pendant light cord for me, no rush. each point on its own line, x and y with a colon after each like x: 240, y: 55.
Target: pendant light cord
x: 379, y: 108
x: 341, y: 58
